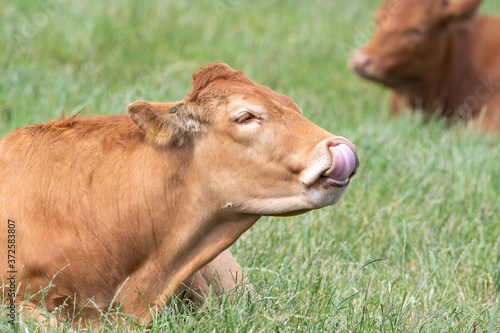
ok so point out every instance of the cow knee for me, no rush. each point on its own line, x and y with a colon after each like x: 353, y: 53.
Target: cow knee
x: 224, y: 274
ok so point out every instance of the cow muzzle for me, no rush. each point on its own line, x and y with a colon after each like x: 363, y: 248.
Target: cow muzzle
x: 344, y: 165
x: 336, y: 162
x: 363, y: 65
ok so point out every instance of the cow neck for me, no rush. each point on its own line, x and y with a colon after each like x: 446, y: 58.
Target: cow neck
x: 460, y: 72
x: 187, y: 202
x: 191, y: 228
x: 205, y: 245
x: 445, y: 85
x: 204, y: 230
x: 426, y: 94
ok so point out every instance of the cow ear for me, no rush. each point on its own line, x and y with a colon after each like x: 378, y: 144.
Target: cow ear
x: 460, y: 10
x: 208, y: 74
x: 165, y: 123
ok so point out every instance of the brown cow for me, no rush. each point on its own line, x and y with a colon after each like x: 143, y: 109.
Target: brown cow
x: 124, y: 209
x: 436, y: 54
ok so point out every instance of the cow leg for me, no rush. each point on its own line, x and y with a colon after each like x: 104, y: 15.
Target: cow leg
x: 221, y: 275
x: 398, y: 104
x: 224, y: 274
x: 29, y: 312
x: 195, y: 291
x: 489, y: 119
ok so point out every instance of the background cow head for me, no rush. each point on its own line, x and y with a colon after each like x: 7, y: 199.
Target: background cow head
x: 411, y: 41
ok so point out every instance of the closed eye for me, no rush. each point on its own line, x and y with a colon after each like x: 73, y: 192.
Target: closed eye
x: 418, y: 31
x: 247, y: 117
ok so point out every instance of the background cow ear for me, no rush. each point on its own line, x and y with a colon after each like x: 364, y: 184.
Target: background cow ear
x: 460, y: 10
x: 165, y: 123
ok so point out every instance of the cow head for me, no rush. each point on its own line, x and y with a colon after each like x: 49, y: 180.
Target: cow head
x: 252, y: 149
x: 410, y: 39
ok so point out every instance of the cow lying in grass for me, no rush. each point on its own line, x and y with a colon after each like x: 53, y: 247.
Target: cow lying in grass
x: 125, y: 209
x: 437, y: 54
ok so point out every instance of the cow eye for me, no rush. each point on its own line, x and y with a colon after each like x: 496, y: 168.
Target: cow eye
x: 247, y: 118
x: 418, y: 31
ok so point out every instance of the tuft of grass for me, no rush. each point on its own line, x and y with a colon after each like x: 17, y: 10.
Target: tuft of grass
x: 414, y: 244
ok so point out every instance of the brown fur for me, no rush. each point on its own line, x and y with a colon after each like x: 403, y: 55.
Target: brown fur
x: 131, y: 208
x: 437, y: 55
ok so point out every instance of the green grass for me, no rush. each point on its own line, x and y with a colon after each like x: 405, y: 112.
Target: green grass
x: 414, y: 246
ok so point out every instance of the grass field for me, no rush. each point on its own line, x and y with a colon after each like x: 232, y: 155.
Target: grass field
x: 414, y: 246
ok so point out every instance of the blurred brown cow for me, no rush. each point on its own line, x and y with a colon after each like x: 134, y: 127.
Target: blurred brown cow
x: 436, y: 54
x: 128, y: 208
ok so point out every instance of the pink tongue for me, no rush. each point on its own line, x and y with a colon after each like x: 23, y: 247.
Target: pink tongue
x: 344, y: 162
